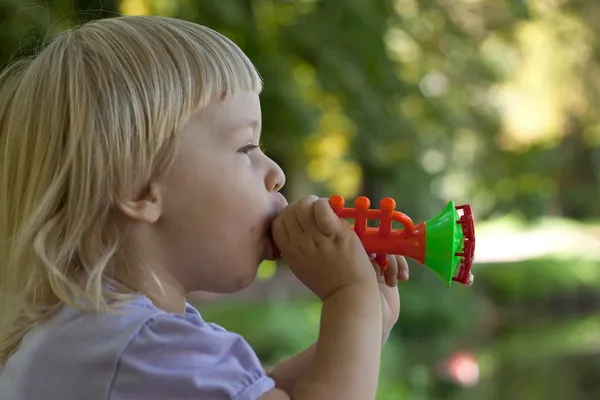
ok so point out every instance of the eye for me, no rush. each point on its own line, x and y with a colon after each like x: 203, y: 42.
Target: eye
x: 248, y: 148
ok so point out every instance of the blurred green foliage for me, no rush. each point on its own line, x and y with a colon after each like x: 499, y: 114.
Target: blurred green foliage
x: 490, y: 102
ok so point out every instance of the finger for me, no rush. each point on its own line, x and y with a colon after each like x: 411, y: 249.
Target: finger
x: 279, y: 232
x: 305, y: 214
x: 376, y: 265
x: 326, y: 219
x: 402, y: 274
x: 391, y: 273
x: 291, y: 223
x: 378, y: 274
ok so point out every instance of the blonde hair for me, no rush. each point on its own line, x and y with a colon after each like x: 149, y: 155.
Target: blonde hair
x: 92, y: 118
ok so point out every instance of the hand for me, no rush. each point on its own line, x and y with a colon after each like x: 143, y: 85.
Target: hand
x: 320, y: 248
x: 390, y: 298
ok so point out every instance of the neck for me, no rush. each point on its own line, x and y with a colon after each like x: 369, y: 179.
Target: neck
x: 140, y: 265
x: 166, y: 296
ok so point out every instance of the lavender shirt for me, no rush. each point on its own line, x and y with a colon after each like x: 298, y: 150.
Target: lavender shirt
x: 144, y: 354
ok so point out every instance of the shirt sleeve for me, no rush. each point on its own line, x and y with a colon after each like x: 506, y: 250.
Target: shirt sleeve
x: 174, y: 358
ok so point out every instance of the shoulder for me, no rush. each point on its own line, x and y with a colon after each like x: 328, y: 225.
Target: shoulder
x: 73, y: 352
x: 184, y: 357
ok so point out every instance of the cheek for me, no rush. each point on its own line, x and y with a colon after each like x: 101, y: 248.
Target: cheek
x: 218, y: 199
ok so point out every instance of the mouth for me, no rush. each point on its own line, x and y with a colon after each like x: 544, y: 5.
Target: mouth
x: 279, y: 204
x: 274, y: 253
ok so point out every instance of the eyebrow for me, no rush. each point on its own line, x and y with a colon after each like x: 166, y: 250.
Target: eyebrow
x: 236, y: 129
x: 246, y: 123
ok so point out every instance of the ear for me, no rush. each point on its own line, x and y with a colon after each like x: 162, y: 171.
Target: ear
x: 146, y: 208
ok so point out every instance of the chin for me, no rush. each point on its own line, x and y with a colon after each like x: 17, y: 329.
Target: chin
x: 234, y: 284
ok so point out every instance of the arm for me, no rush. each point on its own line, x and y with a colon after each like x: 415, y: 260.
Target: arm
x: 326, y: 255
x: 288, y: 372
x: 346, y: 358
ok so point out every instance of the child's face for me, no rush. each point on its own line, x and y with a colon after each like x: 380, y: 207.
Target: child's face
x: 219, y: 199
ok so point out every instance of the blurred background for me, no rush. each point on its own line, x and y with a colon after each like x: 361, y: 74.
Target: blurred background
x: 488, y: 102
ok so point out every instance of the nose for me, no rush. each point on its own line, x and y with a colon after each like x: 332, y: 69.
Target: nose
x: 275, y: 178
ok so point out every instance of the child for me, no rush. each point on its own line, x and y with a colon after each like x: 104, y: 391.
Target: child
x: 130, y: 176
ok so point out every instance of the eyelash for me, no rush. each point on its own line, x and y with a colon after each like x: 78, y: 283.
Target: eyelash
x: 249, y: 148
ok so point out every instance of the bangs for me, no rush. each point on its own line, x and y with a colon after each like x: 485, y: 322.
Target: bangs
x: 178, y: 63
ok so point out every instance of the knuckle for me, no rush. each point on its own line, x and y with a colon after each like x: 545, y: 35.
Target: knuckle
x: 328, y: 227
x: 286, y: 212
x: 321, y: 211
x: 321, y: 201
x: 308, y: 199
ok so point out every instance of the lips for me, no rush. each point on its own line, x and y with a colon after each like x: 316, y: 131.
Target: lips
x: 279, y: 203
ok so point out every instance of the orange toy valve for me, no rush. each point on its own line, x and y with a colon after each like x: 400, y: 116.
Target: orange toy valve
x: 444, y: 243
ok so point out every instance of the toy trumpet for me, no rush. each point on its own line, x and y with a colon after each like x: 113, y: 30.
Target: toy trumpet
x: 444, y: 243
